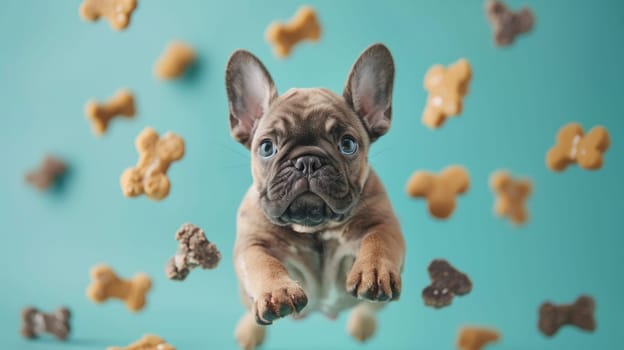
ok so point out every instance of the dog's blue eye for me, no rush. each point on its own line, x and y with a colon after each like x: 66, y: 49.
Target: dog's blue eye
x: 267, y: 149
x: 348, y: 145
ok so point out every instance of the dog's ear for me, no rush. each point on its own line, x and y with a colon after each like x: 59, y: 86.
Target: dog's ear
x: 369, y: 89
x: 250, y: 91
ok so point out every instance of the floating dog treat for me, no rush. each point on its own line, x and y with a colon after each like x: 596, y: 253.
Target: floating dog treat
x: 48, y: 172
x: 573, y: 146
x: 447, y: 88
x: 118, y: 12
x: 106, y: 285
x: 511, y: 196
x: 304, y: 26
x: 100, y: 114
x: 446, y: 282
x: 176, y: 59
x: 155, y: 156
x: 507, y: 25
x: 580, y: 314
x: 35, y: 322
x: 476, y: 338
x: 194, y: 250
x: 439, y: 190
x: 148, y: 342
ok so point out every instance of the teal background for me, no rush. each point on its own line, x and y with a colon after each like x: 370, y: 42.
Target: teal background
x: 568, y: 69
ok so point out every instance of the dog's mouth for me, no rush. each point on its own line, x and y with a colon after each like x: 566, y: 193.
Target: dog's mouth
x: 309, y: 209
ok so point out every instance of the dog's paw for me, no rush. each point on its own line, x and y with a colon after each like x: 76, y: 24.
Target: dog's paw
x: 374, y: 280
x: 281, y: 301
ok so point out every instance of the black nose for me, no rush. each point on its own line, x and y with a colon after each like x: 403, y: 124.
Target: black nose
x: 308, y: 164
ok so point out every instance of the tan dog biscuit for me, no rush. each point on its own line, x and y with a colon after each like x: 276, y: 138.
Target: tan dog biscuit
x: 176, y: 59
x: 304, y: 26
x: 573, y: 146
x: 35, y: 322
x: 476, y: 338
x: 194, y: 250
x: 507, y: 24
x: 155, y: 156
x: 50, y: 170
x: 447, y: 88
x: 100, y: 114
x: 439, y: 190
x: 118, y: 12
x: 148, y: 342
x: 511, y: 196
x: 579, y: 314
x: 106, y: 285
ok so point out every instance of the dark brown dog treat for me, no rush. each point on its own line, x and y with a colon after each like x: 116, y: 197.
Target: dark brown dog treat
x: 579, y: 314
x: 35, y: 322
x: 507, y: 24
x: 446, y: 282
x: 194, y: 250
x: 48, y: 172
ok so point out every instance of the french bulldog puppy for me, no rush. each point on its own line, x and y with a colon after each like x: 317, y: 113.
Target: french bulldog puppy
x: 315, y: 231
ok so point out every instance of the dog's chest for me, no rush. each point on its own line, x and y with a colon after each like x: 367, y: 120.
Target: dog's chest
x: 321, y: 266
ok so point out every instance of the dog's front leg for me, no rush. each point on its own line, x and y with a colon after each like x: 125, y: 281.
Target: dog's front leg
x: 266, y: 281
x: 376, y: 272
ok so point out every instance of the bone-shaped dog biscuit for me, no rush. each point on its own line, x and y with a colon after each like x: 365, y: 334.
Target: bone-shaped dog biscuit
x: 476, y: 338
x: 148, y: 342
x: 35, y: 322
x: 100, y: 114
x: 511, y: 196
x: 118, y: 12
x: 579, y: 314
x: 155, y: 156
x: 194, y: 250
x: 573, y: 146
x: 446, y: 283
x: 50, y: 170
x: 447, y: 88
x: 176, y: 59
x: 507, y: 24
x: 304, y: 26
x: 439, y: 190
x: 106, y: 285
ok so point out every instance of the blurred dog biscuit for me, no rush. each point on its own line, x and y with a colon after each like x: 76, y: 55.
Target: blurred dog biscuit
x: 511, y: 196
x: 439, y: 190
x: 573, y: 146
x: 446, y: 283
x: 304, y: 26
x: 155, y: 156
x: 118, y: 12
x: 35, y: 322
x: 148, y: 342
x: 507, y: 24
x: 580, y: 314
x: 100, y: 114
x: 50, y: 170
x: 476, y: 338
x: 194, y: 250
x: 174, y: 61
x: 447, y: 88
x: 107, y: 285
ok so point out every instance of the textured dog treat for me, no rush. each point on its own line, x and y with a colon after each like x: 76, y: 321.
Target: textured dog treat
x: 176, y: 59
x: 106, y: 285
x: 446, y: 282
x: 507, y: 24
x: 580, y: 314
x: 100, y: 114
x: 194, y: 250
x: 48, y: 172
x: 118, y: 12
x: 447, y: 88
x: 439, y: 190
x: 304, y: 26
x: 511, y: 196
x: 155, y: 156
x: 35, y: 322
x: 148, y: 342
x: 476, y: 338
x: 573, y: 146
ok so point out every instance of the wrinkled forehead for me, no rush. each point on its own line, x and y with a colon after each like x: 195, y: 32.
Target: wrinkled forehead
x: 301, y: 112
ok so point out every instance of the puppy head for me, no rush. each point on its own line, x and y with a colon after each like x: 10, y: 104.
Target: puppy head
x: 309, y: 147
